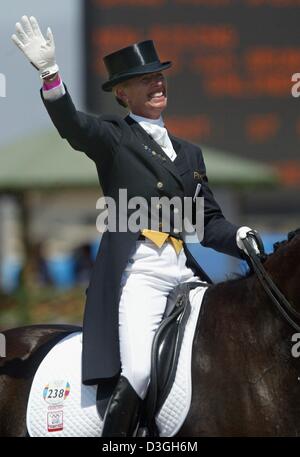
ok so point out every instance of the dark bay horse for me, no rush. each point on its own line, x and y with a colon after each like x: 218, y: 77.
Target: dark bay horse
x: 246, y: 382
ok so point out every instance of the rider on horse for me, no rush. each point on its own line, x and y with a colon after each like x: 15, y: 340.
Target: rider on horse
x: 134, y: 270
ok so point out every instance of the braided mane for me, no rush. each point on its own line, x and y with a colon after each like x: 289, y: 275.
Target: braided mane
x: 291, y: 235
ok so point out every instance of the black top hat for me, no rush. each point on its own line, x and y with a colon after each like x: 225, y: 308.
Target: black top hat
x: 138, y: 59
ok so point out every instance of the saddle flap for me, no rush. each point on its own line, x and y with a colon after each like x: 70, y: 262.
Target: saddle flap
x: 166, y: 349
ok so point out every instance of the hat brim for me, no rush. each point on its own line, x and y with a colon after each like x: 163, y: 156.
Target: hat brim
x: 142, y: 70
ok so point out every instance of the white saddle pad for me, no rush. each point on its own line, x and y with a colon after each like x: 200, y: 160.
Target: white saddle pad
x: 60, y: 405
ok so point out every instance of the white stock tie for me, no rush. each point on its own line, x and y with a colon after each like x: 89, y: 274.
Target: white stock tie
x: 160, y: 135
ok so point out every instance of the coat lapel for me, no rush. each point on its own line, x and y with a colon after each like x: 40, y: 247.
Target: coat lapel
x: 176, y: 168
x: 181, y: 161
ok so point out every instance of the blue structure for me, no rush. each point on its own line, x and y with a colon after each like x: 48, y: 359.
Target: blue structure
x: 61, y: 269
x: 220, y: 267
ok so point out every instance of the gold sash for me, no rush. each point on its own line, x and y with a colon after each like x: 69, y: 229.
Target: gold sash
x: 159, y: 238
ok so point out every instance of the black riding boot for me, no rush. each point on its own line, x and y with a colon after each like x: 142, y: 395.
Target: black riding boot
x: 122, y: 413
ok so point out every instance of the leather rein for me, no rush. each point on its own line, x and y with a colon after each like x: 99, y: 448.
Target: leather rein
x: 279, y: 300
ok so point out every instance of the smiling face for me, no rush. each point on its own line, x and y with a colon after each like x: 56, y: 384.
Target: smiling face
x: 145, y: 95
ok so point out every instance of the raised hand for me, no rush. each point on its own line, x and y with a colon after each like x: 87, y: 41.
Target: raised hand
x: 39, y: 51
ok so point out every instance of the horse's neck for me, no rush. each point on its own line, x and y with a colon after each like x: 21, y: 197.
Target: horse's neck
x: 246, y: 379
x: 241, y: 333
x: 241, y: 310
x: 283, y: 267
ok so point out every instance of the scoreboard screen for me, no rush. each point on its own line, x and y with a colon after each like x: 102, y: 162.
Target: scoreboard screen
x: 230, y: 85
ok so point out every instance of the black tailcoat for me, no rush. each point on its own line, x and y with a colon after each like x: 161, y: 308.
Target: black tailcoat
x: 126, y: 157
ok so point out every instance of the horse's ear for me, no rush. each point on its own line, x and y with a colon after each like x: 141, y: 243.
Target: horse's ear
x: 292, y: 234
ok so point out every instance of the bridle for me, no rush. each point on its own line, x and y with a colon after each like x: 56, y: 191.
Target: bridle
x: 279, y: 300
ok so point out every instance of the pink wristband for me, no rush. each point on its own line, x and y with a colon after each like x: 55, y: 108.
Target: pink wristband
x: 52, y: 84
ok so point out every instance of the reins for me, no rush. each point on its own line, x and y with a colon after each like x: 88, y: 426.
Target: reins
x: 279, y: 300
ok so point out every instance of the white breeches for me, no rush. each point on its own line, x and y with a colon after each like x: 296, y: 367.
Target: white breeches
x: 150, y: 275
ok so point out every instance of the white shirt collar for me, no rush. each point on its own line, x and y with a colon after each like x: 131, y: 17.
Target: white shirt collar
x: 139, y: 119
x: 149, y: 125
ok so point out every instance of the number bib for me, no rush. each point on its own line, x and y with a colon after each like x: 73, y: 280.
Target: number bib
x: 56, y: 392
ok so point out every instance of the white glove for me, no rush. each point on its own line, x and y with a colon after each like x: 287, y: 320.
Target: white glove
x: 39, y: 51
x: 241, y: 234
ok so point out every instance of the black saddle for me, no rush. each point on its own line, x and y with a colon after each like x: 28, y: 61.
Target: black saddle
x: 164, y: 357
x: 165, y: 352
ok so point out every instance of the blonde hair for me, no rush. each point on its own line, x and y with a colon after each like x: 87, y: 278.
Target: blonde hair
x: 114, y: 89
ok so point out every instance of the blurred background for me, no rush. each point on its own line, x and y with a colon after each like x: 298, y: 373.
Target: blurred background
x: 229, y: 91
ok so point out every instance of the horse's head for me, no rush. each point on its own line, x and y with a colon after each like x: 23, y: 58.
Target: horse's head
x: 284, y: 267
